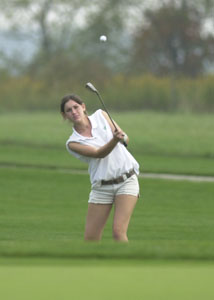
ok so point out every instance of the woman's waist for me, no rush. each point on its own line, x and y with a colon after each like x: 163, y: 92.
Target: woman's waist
x: 115, y: 174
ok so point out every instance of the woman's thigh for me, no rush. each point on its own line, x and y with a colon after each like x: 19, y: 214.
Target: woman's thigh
x: 124, y: 206
x: 96, y: 219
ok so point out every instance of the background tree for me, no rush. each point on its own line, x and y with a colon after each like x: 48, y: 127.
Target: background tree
x: 168, y: 38
x: 172, y: 41
x: 65, y: 49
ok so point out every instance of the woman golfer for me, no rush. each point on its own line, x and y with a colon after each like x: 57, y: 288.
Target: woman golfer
x: 113, y: 170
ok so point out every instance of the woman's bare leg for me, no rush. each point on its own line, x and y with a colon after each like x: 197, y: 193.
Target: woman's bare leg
x: 124, y: 206
x: 96, y: 220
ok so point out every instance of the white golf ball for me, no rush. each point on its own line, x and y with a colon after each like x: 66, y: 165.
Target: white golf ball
x: 103, y: 38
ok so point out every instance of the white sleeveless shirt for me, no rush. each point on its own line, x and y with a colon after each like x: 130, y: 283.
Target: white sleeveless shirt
x: 116, y: 163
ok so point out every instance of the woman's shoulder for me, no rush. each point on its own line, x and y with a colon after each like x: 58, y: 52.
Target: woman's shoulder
x: 97, y: 116
x: 98, y: 112
x: 74, y: 137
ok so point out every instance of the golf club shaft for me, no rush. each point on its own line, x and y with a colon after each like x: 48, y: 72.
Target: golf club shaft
x: 106, y: 109
x: 124, y: 143
x: 93, y: 89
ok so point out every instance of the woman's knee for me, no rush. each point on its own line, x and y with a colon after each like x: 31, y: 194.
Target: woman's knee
x: 119, y: 234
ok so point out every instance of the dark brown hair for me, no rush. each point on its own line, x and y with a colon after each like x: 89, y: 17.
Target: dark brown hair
x: 66, y: 98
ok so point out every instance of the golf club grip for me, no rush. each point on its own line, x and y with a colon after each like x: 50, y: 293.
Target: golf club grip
x: 124, y: 143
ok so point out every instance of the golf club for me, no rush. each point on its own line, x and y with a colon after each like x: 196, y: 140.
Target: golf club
x: 91, y: 87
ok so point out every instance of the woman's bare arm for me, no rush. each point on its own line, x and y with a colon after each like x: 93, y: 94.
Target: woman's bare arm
x: 100, y: 152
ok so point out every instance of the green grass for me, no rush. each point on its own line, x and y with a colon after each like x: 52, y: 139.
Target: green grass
x: 107, y: 281
x: 43, y: 209
x: 168, y: 143
x: 43, y: 214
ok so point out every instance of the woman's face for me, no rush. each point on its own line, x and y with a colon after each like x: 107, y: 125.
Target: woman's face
x: 74, y: 111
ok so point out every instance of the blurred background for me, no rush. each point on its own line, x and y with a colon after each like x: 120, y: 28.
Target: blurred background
x: 156, y: 76
x: 159, y: 54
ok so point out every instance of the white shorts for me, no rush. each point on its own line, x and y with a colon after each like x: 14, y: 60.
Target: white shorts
x: 105, y: 194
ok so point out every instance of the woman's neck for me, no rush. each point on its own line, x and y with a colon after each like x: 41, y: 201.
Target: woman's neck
x: 83, y: 127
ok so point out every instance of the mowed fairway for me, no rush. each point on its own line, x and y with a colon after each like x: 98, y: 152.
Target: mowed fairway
x: 43, y: 203
x: 43, y: 214
x: 166, y: 143
x: 43, y: 256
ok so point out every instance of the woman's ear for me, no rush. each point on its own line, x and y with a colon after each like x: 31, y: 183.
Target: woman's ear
x: 84, y: 107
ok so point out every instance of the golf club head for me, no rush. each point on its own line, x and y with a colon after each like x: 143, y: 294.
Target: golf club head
x: 91, y: 87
